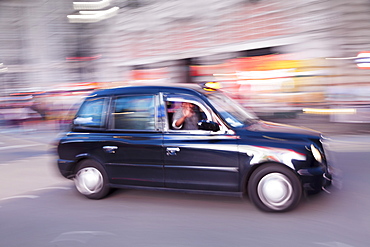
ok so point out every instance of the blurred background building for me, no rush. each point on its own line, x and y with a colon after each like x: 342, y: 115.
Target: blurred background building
x: 277, y: 57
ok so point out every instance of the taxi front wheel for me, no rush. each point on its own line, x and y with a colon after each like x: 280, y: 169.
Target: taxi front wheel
x: 274, y: 188
x: 91, y: 179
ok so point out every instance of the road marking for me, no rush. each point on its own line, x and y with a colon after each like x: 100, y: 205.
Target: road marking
x: 21, y: 146
x: 18, y: 197
x: 53, y: 188
x: 334, y: 244
x: 80, y: 236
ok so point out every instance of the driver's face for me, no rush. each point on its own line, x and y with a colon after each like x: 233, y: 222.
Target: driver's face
x: 187, y: 105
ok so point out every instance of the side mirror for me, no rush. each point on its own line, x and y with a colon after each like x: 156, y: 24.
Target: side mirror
x: 208, y: 125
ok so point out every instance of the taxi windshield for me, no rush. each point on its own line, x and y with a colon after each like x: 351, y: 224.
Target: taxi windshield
x: 233, y: 113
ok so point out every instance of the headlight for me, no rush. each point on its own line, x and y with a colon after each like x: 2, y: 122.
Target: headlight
x: 316, y: 153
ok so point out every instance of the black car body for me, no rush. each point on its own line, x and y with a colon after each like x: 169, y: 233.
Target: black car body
x: 122, y: 138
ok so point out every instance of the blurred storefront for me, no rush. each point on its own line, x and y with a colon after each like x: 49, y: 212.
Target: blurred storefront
x: 277, y: 57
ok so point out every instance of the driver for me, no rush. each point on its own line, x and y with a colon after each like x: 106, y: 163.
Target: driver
x: 186, y: 118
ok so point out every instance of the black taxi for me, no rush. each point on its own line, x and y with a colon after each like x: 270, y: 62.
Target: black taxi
x: 128, y: 137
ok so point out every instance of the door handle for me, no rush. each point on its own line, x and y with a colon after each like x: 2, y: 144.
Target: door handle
x: 172, y: 151
x: 110, y: 149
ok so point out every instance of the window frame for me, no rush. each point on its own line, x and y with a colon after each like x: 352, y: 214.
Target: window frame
x: 178, y: 97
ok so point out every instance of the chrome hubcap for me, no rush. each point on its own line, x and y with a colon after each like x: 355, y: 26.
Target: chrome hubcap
x: 275, y: 191
x: 88, y: 180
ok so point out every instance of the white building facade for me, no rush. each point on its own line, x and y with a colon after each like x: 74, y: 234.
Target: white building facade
x: 43, y: 46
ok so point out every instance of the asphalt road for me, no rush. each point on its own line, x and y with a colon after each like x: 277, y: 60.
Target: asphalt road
x: 40, y: 208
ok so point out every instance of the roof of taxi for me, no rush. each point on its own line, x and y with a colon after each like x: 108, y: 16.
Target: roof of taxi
x: 170, y: 88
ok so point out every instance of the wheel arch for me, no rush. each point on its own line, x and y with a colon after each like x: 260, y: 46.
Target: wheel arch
x: 81, y: 157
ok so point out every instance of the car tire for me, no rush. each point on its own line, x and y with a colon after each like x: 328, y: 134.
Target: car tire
x: 91, y: 179
x: 274, y: 188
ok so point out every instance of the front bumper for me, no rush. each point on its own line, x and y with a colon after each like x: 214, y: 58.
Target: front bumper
x: 315, y: 179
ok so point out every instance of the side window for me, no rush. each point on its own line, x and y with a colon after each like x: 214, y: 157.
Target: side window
x: 91, y: 113
x: 134, y: 112
x: 184, y: 113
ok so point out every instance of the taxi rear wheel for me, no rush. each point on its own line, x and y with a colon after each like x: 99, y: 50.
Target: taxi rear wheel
x: 274, y: 188
x: 91, y: 179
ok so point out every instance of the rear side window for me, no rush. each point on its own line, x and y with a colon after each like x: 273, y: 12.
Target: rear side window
x: 134, y: 112
x: 91, y: 113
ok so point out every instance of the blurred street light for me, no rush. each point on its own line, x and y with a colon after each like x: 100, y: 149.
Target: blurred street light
x: 91, y: 5
x: 363, y: 60
x: 3, y: 69
x: 89, y: 16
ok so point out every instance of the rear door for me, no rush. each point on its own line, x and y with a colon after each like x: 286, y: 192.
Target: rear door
x: 132, y: 147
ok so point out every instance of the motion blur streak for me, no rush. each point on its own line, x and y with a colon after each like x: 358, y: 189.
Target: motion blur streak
x: 283, y: 60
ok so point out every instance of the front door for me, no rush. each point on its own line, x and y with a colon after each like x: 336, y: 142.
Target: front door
x: 197, y: 159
